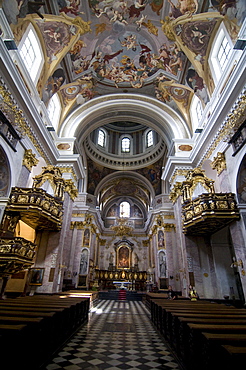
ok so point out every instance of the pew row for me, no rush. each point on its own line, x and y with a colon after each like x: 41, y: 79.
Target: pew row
x: 188, y: 325
x: 33, y: 328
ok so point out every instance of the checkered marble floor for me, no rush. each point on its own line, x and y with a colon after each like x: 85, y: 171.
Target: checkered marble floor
x: 118, y: 335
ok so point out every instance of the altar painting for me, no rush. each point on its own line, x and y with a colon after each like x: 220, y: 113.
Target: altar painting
x: 123, y: 257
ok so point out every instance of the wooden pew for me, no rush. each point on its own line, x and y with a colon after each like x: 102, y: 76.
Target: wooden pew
x: 195, y: 339
x: 181, y: 330
x: 165, y: 319
x: 179, y: 319
x: 167, y: 316
x: 232, y: 357
x: 159, y: 308
x: 49, y: 321
x: 212, y: 350
x: 13, y: 342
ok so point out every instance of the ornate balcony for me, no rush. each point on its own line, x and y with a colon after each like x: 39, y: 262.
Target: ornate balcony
x: 16, y: 254
x: 209, y: 213
x: 36, y: 208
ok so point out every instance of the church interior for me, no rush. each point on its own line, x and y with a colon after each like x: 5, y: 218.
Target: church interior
x: 122, y: 150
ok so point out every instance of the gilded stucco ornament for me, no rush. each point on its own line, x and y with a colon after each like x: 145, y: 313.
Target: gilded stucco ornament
x: 16, y: 118
x: 68, y: 169
x: 29, y: 159
x: 231, y: 124
x: 167, y: 28
x: 169, y: 227
x: 53, y: 175
x: 71, y: 189
x: 122, y: 227
x: 219, y: 163
x: 176, y: 191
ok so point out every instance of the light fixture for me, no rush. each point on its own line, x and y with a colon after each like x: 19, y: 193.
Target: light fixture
x: 240, y: 44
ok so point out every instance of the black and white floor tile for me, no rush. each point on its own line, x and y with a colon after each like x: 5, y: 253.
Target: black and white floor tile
x: 118, y: 335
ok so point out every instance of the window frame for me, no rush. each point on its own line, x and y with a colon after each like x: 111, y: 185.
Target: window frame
x: 128, y: 213
x: 56, y: 102
x: 38, y: 62
x: 195, y: 118
x: 217, y: 69
x: 147, y: 138
x: 100, y: 130
x: 129, y: 140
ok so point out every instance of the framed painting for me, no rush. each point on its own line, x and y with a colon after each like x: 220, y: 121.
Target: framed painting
x: 86, y: 238
x: 123, y: 257
x: 36, y: 276
x: 161, y: 243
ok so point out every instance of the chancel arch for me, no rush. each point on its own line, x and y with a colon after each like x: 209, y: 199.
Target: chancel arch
x: 158, y: 116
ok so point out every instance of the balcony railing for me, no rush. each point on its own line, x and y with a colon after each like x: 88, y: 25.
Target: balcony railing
x: 36, y: 207
x: 16, y: 254
x: 209, y: 213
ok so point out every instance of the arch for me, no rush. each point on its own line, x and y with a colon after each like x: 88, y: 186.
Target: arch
x: 134, y: 176
x: 144, y: 110
x: 5, y: 174
x: 111, y: 209
x: 241, y: 182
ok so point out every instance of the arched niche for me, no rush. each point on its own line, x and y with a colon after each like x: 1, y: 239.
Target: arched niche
x: 162, y: 263
x: 84, y: 259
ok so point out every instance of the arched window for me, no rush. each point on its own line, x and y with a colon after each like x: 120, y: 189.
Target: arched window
x: 31, y: 53
x: 101, y: 139
x: 196, y: 111
x: 54, y: 110
x: 220, y: 53
x: 124, y: 209
x: 150, y: 140
x: 125, y: 145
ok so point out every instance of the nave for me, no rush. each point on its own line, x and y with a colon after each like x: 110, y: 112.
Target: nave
x: 118, y: 335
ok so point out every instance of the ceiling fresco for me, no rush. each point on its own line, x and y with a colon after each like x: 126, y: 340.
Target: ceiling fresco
x: 158, y: 48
